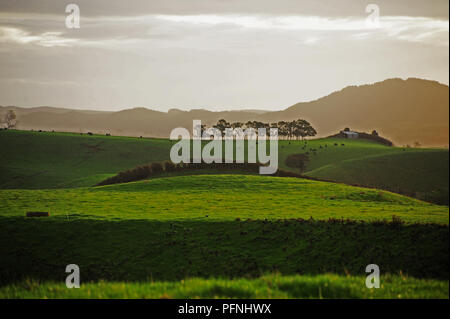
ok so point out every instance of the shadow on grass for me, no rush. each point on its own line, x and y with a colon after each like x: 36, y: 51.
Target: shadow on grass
x: 137, y: 250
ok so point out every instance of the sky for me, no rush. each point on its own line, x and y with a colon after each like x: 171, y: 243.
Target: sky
x: 213, y: 54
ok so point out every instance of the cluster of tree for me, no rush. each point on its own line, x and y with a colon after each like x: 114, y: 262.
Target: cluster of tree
x: 286, y: 130
x: 158, y: 169
x: 9, y: 120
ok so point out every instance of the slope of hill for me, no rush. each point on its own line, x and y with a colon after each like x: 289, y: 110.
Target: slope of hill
x: 405, y: 111
x: 36, y: 160
x: 393, y: 172
x: 50, y: 160
x: 173, y: 228
x: 416, y: 172
x: 207, y: 226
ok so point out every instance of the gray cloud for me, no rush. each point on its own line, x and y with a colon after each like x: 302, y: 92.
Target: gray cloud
x: 344, y: 8
x: 215, y: 54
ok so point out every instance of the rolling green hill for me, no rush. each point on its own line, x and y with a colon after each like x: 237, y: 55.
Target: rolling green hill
x: 393, y: 172
x: 216, y: 227
x: 416, y: 172
x: 224, y: 197
x: 36, y: 160
x: 225, y: 226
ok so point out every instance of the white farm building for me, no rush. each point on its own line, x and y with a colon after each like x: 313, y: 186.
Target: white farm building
x: 350, y: 134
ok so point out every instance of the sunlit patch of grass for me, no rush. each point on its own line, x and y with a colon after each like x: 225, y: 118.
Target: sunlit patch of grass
x: 327, y: 286
x: 223, y: 197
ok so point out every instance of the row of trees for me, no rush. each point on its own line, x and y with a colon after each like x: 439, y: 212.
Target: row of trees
x: 288, y: 130
x: 156, y: 169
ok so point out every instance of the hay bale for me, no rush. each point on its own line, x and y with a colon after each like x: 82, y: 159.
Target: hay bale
x: 38, y: 214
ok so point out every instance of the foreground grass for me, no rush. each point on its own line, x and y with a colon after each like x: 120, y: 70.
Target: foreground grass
x: 269, y: 286
x: 218, y: 226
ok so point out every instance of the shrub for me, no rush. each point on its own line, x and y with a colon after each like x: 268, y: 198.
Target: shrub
x: 143, y: 172
x: 156, y: 168
x: 169, y: 166
x: 297, y: 161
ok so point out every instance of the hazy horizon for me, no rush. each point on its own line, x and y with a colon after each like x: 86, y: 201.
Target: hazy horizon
x: 224, y: 109
x: 237, y: 55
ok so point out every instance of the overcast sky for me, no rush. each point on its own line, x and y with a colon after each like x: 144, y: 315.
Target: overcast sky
x: 214, y: 54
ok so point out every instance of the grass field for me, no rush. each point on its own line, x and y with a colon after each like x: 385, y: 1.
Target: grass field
x: 52, y: 160
x: 219, y: 225
x: 37, y: 160
x: 217, y: 235
x: 223, y: 198
x: 269, y: 286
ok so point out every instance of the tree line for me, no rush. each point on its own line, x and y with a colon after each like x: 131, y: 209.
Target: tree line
x: 167, y: 168
x: 286, y: 130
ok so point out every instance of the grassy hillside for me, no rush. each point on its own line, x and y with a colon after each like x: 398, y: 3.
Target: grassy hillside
x: 394, y: 172
x: 213, y: 227
x: 224, y: 198
x: 269, y: 286
x: 34, y: 160
x: 50, y: 160
x: 416, y: 172
x: 218, y: 226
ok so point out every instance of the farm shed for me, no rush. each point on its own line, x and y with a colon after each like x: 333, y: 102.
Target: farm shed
x: 350, y: 134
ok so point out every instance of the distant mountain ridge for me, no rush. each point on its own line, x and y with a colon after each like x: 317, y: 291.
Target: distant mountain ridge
x: 405, y: 111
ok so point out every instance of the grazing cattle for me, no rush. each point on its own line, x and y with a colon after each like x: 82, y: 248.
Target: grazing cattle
x: 90, y: 133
